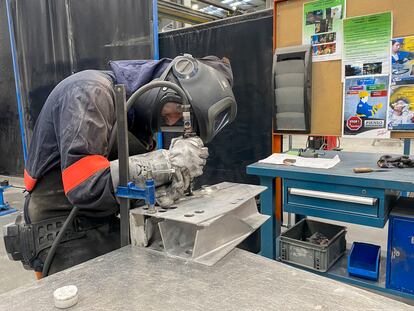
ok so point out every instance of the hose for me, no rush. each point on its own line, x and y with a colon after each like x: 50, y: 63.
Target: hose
x: 52, y: 251
x: 141, y: 91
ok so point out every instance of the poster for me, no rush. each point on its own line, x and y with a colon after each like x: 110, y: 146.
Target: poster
x: 402, y: 59
x: 322, y: 28
x: 401, y: 108
x: 367, y: 45
x: 365, y: 107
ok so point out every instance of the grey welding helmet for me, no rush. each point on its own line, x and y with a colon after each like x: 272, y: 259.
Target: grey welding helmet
x: 208, y: 91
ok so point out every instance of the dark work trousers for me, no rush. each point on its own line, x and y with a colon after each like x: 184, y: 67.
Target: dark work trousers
x: 97, y: 241
x: 49, y: 201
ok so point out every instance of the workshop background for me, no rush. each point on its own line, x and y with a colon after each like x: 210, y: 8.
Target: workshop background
x: 70, y: 38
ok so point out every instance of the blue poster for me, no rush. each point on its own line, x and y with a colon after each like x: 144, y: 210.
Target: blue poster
x: 365, y: 107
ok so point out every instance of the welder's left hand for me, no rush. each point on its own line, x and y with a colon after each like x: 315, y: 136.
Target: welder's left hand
x: 166, y: 195
x: 189, y: 154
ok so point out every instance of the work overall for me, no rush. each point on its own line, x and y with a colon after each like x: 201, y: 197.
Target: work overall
x: 46, y: 209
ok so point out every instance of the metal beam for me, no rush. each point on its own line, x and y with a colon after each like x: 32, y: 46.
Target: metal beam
x: 183, y: 14
x: 217, y: 4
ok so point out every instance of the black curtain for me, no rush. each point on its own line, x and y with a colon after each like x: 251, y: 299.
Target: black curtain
x: 247, y: 41
x: 55, y: 38
x: 11, y: 152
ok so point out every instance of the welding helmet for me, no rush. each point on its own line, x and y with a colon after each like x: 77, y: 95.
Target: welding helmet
x: 208, y: 90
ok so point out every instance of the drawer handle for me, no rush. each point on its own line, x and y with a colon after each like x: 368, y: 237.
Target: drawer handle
x: 333, y: 196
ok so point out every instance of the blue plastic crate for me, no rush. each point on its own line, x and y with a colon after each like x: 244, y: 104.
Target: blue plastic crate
x: 364, y: 260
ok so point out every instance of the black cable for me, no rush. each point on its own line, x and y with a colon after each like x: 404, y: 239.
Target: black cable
x: 52, y: 250
x: 17, y: 187
x: 138, y: 93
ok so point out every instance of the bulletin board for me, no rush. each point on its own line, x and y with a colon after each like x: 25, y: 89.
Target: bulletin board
x: 327, y: 89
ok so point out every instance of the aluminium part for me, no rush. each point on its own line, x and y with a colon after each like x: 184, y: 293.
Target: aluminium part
x: 204, y: 227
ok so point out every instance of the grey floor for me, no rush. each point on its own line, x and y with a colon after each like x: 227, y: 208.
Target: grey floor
x: 12, y: 274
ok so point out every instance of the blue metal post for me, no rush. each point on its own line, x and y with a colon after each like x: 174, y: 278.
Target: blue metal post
x: 156, y: 54
x: 407, y: 146
x: 4, y: 206
x: 271, y: 228
x: 17, y: 80
x: 155, y: 29
x: 407, y: 151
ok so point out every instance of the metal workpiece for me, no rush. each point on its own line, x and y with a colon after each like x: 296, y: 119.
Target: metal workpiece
x: 203, y: 227
x: 133, y: 278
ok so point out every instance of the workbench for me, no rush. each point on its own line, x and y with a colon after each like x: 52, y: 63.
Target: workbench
x: 336, y: 194
x: 134, y: 278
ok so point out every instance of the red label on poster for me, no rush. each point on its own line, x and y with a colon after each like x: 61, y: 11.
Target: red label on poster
x: 379, y: 93
x: 352, y: 92
x: 354, y: 123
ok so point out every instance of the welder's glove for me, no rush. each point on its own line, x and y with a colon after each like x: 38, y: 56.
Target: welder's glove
x: 157, y: 161
x: 188, y: 154
x: 166, y: 195
x: 170, y: 182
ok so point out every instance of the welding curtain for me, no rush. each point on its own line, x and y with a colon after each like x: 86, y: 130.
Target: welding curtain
x: 55, y: 38
x: 247, y: 41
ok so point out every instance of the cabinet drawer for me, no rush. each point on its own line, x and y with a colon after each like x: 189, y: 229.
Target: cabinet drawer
x: 366, y: 206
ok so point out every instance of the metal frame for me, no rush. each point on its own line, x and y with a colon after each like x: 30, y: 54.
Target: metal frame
x: 123, y: 154
x: 183, y: 14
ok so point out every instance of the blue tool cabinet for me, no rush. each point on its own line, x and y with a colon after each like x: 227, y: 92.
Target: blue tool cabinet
x: 360, y: 205
x: 400, y: 256
x: 340, y: 194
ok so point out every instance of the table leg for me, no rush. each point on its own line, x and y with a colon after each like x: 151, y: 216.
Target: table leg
x: 270, y: 230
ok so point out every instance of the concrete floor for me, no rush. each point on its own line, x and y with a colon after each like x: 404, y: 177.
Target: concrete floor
x: 12, y: 274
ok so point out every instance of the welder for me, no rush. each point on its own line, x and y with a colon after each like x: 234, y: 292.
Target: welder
x: 71, y: 161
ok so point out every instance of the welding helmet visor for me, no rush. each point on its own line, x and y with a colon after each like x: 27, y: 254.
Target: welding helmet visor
x: 208, y: 91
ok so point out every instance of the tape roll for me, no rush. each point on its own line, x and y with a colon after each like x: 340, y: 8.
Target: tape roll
x: 66, y: 296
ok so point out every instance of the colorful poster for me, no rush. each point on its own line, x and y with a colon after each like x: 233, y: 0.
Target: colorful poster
x: 401, y: 110
x: 402, y: 59
x: 367, y: 45
x: 322, y: 28
x: 365, y: 107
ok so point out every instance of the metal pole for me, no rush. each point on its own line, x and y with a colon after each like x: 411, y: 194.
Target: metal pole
x: 17, y: 80
x: 2, y: 204
x: 269, y: 4
x: 407, y: 146
x: 123, y: 154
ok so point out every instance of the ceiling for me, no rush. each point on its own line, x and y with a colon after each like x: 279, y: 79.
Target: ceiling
x: 235, y: 5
